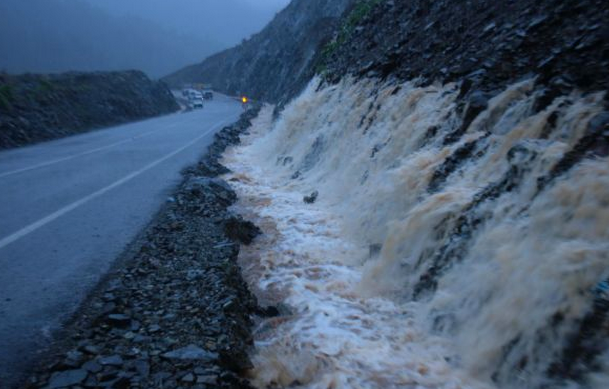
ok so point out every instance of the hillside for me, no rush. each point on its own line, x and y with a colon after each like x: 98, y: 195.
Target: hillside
x: 35, y: 108
x: 490, y: 44
x: 276, y: 63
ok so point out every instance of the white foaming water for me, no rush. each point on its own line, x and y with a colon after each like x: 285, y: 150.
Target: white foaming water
x: 502, y: 277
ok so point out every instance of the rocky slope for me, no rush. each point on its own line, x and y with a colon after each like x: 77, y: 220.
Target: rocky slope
x: 35, y: 108
x: 276, y: 63
x: 490, y: 44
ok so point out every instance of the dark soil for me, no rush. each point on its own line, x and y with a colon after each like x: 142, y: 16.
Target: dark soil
x: 177, y: 313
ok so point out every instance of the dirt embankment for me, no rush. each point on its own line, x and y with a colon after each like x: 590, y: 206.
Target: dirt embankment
x: 36, y: 108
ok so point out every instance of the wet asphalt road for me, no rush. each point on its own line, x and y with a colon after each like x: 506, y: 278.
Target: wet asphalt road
x: 68, y: 208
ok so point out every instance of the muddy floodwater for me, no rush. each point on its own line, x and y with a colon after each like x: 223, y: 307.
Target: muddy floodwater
x: 425, y: 261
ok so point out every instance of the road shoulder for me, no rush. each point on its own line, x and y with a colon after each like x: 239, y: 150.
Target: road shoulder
x: 175, y: 310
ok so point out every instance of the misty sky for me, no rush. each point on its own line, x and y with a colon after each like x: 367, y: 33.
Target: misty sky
x: 156, y: 36
x: 224, y: 21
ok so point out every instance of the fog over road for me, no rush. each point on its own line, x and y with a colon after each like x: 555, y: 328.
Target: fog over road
x: 68, y: 208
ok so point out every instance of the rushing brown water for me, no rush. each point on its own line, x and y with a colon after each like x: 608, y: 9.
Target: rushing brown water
x: 423, y: 263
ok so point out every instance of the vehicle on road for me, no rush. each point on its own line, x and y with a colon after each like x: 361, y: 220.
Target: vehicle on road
x: 245, y: 103
x: 191, y: 93
x: 208, y: 95
x: 195, y: 99
x: 196, y: 103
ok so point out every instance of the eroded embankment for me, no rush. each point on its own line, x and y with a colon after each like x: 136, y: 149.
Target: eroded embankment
x: 450, y: 245
x: 176, y: 312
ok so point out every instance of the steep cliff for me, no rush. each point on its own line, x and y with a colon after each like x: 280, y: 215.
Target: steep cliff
x: 276, y: 63
x: 35, y: 108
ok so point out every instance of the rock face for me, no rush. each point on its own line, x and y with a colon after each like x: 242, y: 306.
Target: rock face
x: 35, y: 108
x: 276, y: 63
x: 487, y: 43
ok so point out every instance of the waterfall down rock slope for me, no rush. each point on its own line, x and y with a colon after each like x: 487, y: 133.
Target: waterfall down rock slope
x: 476, y: 263
x: 430, y: 228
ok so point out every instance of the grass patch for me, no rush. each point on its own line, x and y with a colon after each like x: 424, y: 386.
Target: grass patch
x: 45, y: 86
x: 6, y: 97
x: 41, y: 90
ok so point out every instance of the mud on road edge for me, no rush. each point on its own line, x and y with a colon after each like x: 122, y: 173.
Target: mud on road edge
x: 175, y: 311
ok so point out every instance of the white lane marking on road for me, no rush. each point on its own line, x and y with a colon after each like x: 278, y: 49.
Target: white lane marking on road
x: 57, y: 214
x: 52, y: 162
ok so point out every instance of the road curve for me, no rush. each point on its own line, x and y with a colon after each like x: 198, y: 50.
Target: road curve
x: 68, y: 208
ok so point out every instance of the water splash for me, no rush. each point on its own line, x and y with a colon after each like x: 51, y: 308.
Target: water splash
x: 438, y: 255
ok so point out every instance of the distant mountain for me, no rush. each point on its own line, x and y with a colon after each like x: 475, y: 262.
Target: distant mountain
x: 45, y: 36
x: 276, y: 63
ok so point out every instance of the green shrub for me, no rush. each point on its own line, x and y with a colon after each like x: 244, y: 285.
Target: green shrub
x: 6, y: 96
x: 360, y: 11
x: 45, y: 86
